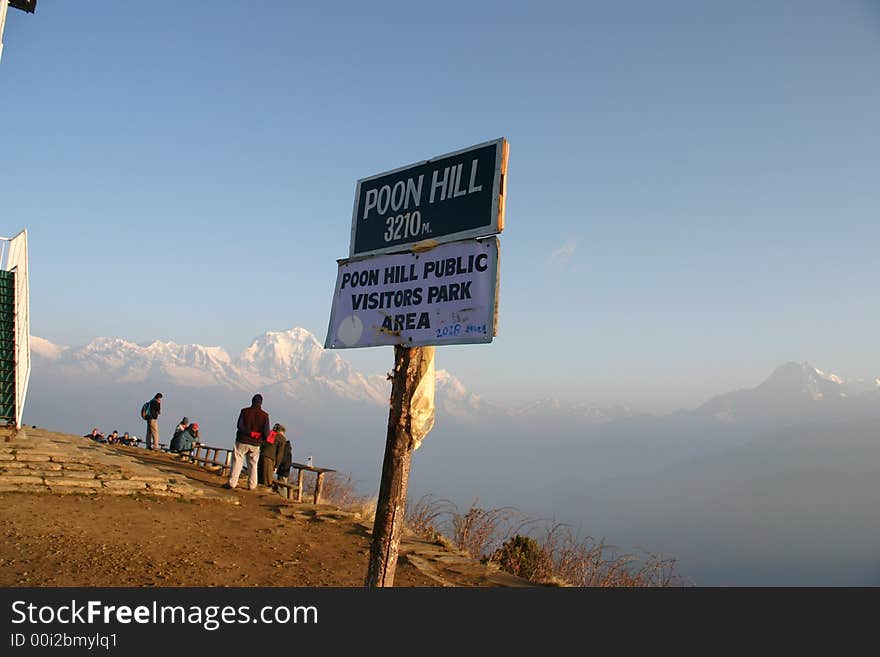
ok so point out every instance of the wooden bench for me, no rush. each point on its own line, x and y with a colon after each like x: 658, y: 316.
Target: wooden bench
x: 293, y: 491
x: 217, y: 456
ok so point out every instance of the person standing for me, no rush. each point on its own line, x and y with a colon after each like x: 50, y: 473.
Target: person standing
x: 252, y: 429
x: 284, y: 457
x: 271, y: 454
x: 152, y: 418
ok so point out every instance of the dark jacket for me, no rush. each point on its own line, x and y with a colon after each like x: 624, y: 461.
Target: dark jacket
x: 174, y: 446
x: 187, y: 438
x: 155, y: 409
x: 274, y: 451
x: 285, y: 460
x: 253, y: 425
x: 177, y: 439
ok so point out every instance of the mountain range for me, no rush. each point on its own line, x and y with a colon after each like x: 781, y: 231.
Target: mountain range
x: 292, y: 363
x: 295, y: 363
x: 685, y: 482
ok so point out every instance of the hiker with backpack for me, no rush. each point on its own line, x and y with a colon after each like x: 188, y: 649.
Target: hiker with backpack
x: 150, y: 412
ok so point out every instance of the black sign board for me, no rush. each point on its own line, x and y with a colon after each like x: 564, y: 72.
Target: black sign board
x: 447, y: 198
x: 25, y: 5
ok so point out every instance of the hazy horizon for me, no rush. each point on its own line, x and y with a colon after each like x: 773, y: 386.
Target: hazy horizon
x: 524, y: 397
x: 691, y: 194
x: 730, y: 488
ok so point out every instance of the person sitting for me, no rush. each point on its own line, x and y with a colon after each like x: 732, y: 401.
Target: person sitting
x: 189, y: 438
x: 96, y: 435
x: 174, y: 446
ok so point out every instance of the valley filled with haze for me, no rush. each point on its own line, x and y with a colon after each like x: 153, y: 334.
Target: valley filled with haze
x: 770, y: 485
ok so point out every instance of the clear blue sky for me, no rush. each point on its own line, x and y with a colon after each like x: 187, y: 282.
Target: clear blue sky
x: 694, y: 188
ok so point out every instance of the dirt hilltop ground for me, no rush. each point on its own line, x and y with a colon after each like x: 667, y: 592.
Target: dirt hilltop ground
x: 77, y: 513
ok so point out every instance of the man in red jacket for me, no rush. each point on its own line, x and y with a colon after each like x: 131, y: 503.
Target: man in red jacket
x: 251, y: 431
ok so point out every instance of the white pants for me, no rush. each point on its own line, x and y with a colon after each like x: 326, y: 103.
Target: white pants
x: 242, y: 450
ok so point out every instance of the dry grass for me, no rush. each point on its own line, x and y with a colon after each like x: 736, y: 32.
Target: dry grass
x: 585, y: 561
x: 426, y: 516
x: 366, y: 507
x: 480, y: 532
x: 476, y: 531
x: 340, y: 490
x: 570, y: 560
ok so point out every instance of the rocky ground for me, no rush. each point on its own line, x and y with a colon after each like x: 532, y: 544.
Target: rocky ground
x: 174, y: 525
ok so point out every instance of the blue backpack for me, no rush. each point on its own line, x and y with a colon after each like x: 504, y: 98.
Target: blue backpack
x: 145, y: 411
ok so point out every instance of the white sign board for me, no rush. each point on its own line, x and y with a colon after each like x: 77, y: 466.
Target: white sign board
x: 447, y: 295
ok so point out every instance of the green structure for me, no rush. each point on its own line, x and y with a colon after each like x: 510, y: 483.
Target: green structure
x: 7, y: 347
x: 15, y: 338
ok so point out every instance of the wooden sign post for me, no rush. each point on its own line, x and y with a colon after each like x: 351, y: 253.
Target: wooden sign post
x: 422, y: 271
x: 391, y: 505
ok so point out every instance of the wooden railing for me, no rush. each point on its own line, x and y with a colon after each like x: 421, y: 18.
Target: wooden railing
x: 207, y: 455
x: 293, y: 490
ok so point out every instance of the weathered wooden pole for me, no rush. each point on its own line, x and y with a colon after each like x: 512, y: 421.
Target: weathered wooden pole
x: 391, y: 505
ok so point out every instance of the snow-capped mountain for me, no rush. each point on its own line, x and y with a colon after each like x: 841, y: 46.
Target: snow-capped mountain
x: 120, y: 361
x: 282, y: 355
x: 291, y: 363
x: 453, y: 398
x: 792, y: 389
x: 340, y: 414
x: 296, y: 363
x: 293, y: 360
x: 805, y: 380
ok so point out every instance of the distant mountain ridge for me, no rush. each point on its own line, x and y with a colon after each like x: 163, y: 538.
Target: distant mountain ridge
x: 294, y: 363
x: 792, y: 388
x: 292, y: 358
x: 802, y: 443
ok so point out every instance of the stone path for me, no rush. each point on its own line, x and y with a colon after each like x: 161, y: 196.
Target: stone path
x: 41, y: 461
x: 441, y: 562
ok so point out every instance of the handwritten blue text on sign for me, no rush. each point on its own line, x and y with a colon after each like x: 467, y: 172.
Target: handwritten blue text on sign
x: 447, y: 295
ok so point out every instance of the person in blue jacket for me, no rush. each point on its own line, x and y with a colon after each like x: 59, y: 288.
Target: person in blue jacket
x: 174, y: 445
x: 189, y: 438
